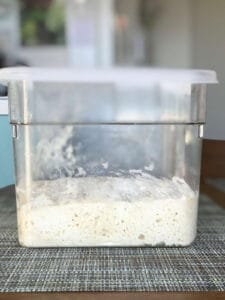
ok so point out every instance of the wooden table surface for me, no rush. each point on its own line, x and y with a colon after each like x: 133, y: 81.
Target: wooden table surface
x: 116, y: 296
x: 212, y: 151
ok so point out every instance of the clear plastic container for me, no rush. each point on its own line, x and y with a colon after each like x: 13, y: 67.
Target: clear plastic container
x: 107, y: 157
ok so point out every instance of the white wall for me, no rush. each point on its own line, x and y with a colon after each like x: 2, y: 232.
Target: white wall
x: 191, y: 33
x: 209, y: 52
x: 55, y: 56
x: 172, y: 34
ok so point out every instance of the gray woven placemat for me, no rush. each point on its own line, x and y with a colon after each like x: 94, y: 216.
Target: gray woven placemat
x: 200, y: 267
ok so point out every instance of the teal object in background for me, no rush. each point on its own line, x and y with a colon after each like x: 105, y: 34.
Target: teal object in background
x: 6, y: 153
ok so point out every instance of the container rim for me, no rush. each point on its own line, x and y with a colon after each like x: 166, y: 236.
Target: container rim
x: 127, y: 76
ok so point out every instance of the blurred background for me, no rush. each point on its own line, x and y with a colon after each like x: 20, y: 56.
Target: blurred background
x: 94, y: 33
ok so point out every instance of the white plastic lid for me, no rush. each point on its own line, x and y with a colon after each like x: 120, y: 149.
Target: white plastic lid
x: 115, y: 75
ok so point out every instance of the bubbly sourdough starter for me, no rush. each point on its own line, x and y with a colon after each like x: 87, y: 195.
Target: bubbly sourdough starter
x: 107, y: 211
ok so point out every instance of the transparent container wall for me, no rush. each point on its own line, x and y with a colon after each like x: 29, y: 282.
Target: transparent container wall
x: 64, y: 102
x: 107, y: 185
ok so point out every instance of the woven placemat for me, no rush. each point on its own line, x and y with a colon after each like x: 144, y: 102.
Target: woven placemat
x: 200, y: 267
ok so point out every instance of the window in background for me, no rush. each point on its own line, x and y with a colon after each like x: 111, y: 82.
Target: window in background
x: 42, y: 22
x: 134, y: 29
x: 106, y: 32
x: 9, y: 30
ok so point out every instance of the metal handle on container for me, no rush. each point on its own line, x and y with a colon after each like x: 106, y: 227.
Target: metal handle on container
x: 3, y: 99
x: 201, y: 131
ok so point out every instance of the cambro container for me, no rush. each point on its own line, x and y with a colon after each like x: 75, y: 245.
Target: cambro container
x: 107, y: 157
